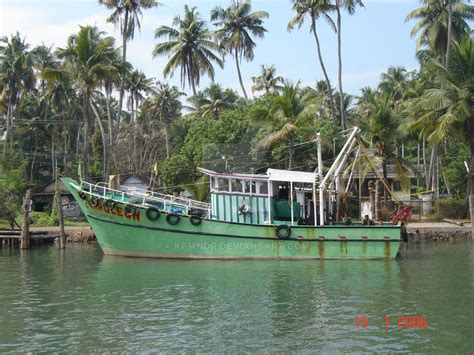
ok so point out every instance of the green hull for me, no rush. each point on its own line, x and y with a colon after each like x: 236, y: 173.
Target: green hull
x: 136, y: 235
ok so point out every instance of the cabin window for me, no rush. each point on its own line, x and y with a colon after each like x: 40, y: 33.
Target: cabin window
x: 223, y: 184
x: 253, y: 186
x: 262, y: 188
x: 236, y: 185
x: 246, y: 186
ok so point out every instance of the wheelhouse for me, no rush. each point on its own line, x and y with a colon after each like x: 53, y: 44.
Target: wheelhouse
x: 277, y: 197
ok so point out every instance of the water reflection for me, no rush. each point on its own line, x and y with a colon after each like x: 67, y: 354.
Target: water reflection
x: 79, y: 300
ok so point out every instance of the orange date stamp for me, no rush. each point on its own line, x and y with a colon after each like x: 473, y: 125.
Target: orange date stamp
x: 401, y: 322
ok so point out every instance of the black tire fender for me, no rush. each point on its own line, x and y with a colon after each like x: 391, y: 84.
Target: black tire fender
x: 283, y: 231
x: 195, y: 220
x: 173, y: 218
x: 152, y: 214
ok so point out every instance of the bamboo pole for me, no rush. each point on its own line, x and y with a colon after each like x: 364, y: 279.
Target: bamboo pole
x: 59, y: 206
x: 25, y: 229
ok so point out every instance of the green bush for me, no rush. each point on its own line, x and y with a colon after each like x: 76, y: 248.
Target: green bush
x: 452, y: 208
x: 42, y: 219
x: 434, y: 217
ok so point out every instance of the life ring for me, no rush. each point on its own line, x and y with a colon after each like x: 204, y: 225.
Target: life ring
x: 128, y: 211
x: 285, y: 234
x: 244, y: 208
x: 82, y: 195
x: 195, y: 220
x: 94, y: 201
x: 109, y: 204
x: 152, y: 214
x: 173, y: 218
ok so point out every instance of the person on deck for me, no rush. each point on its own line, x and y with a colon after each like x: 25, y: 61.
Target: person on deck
x: 367, y: 221
x: 348, y: 221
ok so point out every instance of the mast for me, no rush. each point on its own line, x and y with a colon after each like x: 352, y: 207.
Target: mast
x: 321, y: 186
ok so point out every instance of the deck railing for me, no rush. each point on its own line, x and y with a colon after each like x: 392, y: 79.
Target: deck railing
x: 148, y: 197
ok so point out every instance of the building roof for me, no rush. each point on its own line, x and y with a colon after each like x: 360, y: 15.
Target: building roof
x: 50, y: 189
x: 272, y: 175
x: 228, y: 175
x: 291, y: 176
x: 391, y: 172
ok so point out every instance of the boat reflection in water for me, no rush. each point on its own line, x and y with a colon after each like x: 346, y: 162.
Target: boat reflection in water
x: 265, y: 306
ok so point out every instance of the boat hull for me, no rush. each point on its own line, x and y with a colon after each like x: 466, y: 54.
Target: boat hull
x: 135, y: 235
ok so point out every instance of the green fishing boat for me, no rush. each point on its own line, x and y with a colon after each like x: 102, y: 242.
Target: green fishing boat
x: 278, y: 215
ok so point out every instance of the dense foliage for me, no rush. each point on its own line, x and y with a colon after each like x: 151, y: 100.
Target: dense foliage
x: 85, y: 109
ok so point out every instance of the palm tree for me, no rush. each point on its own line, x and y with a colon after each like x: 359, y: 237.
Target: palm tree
x: 394, y: 83
x: 215, y: 100
x: 43, y: 57
x: 190, y: 47
x: 16, y: 76
x: 165, y: 106
x: 380, y: 124
x: 450, y: 109
x: 237, y: 24
x: 347, y: 106
x: 349, y: 6
x: 87, y: 63
x: 315, y: 9
x: 126, y: 14
x: 137, y: 84
x: 267, y: 80
x: 438, y: 17
x: 110, y: 82
x: 288, y: 111
x: 320, y: 94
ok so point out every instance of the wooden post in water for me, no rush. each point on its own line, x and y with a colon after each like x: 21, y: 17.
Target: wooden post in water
x: 59, y: 206
x: 25, y: 229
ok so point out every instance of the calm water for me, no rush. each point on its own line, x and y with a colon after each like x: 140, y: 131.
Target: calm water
x: 82, y: 301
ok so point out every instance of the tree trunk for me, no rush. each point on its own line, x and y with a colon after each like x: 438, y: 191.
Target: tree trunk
x: 85, y: 151
x: 7, y: 128
x: 339, y: 71
x: 236, y: 55
x: 323, y: 67
x: 196, y: 99
x: 53, y: 168
x: 104, y: 141
x: 110, y: 149
x: 429, y: 177
x: 167, y: 143
x: 65, y: 150
x: 450, y: 26
x: 424, y: 162
x: 471, y: 185
x: 384, y: 170
x: 290, y: 160
x: 33, y: 161
x: 78, y: 139
x: 122, y: 81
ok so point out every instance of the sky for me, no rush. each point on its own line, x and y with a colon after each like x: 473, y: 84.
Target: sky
x: 375, y: 38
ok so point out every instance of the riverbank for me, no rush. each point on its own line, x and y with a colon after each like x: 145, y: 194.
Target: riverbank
x: 78, y: 234
x: 426, y: 231
x: 439, y: 231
